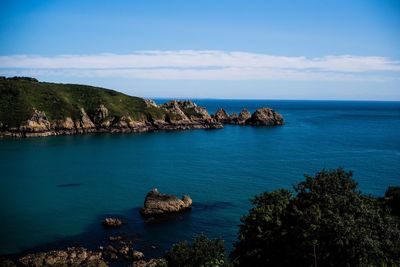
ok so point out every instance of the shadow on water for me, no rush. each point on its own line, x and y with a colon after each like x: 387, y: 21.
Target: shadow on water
x: 153, y: 238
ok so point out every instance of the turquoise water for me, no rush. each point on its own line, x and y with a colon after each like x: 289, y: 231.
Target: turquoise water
x: 55, y: 191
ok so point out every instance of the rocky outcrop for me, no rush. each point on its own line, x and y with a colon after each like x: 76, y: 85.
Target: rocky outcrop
x: 112, y: 222
x: 101, y: 113
x: 37, y: 123
x: 150, y: 103
x: 244, y: 115
x: 149, y: 263
x: 221, y: 116
x: 85, y: 123
x: 159, y: 204
x: 173, y: 115
x: 71, y: 257
x: 261, y: 117
x: 266, y: 117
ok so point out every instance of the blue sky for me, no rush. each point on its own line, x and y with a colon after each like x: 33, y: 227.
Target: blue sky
x: 209, y: 48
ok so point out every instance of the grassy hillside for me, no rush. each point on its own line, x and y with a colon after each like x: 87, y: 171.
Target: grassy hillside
x: 20, y: 95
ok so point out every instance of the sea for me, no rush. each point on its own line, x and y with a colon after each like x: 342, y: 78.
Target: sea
x: 55, y: 191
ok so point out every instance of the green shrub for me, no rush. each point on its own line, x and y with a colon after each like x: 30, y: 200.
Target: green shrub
x: 325, y: 222
x: 203, y: 252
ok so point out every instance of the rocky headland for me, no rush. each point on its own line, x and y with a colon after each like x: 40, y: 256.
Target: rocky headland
x: 30, y: 108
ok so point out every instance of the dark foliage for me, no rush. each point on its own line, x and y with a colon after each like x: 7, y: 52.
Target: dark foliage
x: 203, y: 252
x: 392, y: 199
x: 325, y: 222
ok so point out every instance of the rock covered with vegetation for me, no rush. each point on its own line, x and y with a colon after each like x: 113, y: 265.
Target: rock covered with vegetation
x: 158, y: 204
x: 32, y: 108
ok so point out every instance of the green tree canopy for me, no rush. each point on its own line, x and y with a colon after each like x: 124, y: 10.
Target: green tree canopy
x: 203, y: 252
x: 326, y: 221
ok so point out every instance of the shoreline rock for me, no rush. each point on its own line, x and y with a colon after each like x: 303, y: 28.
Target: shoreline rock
x: 179, y: 115
x: 74, y: 256
x: 156, y: 204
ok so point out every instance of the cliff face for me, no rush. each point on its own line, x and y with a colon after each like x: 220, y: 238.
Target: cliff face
x: 30, y: 108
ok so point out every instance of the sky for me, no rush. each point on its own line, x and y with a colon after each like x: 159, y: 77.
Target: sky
x: 232, y: 49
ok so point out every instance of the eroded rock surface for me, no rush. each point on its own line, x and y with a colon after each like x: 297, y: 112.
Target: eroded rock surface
x: 265, y: 116
x: 159, y: 204
x: 71, y: 257
x: 112, y: 222
x: 173, y: 115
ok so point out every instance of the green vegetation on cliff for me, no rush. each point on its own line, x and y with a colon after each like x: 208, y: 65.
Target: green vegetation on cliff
x: 19, y: 96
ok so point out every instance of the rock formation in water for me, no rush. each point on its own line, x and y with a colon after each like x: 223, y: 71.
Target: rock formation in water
x: 160, y: 204
x: 261, y: 117
x: 112, y: 222
x: 265, y: 116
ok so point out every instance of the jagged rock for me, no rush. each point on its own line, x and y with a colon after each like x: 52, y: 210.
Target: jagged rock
x: 112, y: 222
x: 150, y: 103
x: 265, y: 116
x: 149, y: 263
x: 202, y: 113
x: 186, y: 104
x: 37, y: 123
x: 221, y: 115
x: 101, y: 113
x: 244, y: 115
x: 175, y: 114
x: 233, y: 117
x: 137, y: 255
x: 159, y: 204
x: 68, y: 123
x: 71, y: 257
x: 86, y: 123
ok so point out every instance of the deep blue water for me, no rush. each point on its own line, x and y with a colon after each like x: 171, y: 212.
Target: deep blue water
x: 54, y: 191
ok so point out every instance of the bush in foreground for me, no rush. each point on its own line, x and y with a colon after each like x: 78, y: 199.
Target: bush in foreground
x: 203, y: 252
x: 325, y: 222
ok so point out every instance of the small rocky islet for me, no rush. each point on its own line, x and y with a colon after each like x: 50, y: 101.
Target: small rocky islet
x: 30, y: 108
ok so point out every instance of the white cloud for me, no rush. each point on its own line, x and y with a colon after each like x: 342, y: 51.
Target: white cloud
x: 204, y: 65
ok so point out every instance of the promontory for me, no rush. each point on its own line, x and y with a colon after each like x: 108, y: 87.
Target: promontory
x: 31, y: 108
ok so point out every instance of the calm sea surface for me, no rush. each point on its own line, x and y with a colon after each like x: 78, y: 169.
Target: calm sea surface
x: 55, y: 191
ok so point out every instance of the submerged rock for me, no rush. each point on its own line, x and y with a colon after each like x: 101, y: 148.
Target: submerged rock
x: 71, y: 257
x: 159, y: 204
x: 265, y: 116
x: 112, y: 222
